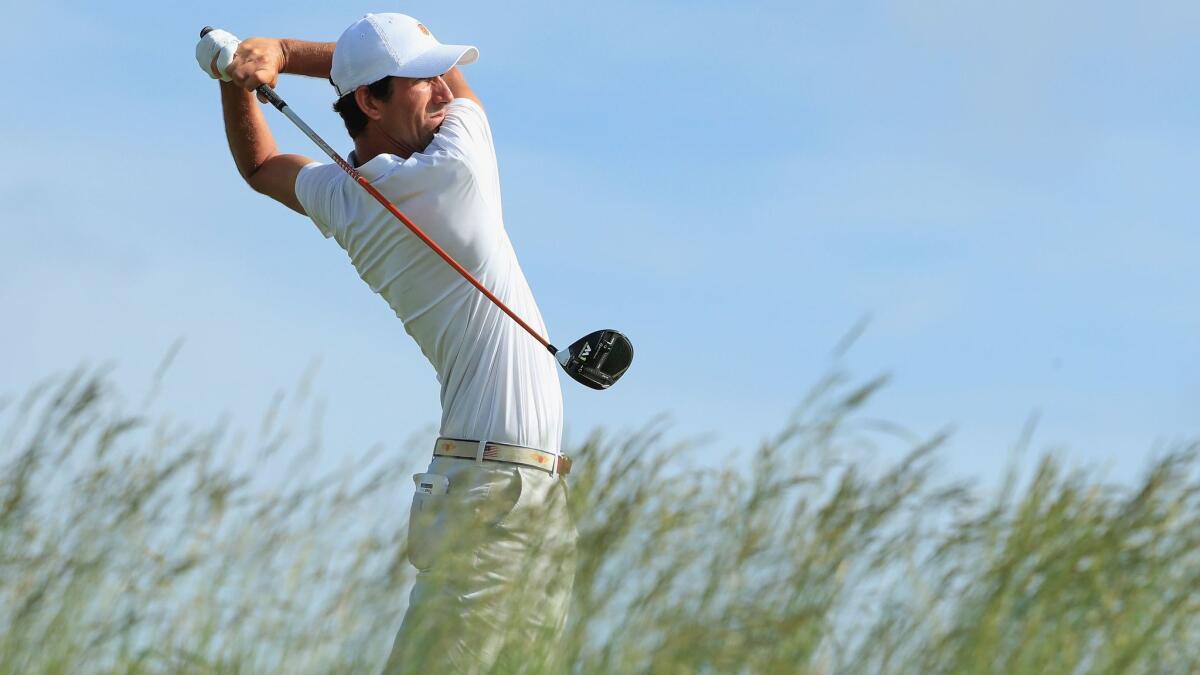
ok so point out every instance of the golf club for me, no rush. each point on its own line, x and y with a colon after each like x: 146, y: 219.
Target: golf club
x: 596, y: 360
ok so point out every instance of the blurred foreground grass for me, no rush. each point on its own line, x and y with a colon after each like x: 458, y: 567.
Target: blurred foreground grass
x: 133, y: 545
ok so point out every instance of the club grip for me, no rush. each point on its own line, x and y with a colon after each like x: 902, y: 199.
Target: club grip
x: 206, y: 30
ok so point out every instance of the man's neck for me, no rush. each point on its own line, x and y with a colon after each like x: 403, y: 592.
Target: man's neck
x: 374, y: 141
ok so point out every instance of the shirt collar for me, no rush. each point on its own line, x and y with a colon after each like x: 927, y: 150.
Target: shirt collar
x: 374, y: 168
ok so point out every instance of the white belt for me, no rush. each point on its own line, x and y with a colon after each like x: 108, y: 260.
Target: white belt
x: 503, y: 452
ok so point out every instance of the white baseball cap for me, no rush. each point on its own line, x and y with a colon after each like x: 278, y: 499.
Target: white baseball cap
x: 381, y: 45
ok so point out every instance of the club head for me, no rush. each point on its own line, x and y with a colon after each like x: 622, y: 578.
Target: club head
x: 597, y: 360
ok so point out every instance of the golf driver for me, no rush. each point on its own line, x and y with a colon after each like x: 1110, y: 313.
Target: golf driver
x: 596, y: 360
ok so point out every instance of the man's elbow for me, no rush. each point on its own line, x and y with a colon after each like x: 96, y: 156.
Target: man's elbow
x: 248, y: 174
x: 264, y: 183
x: 257, y: 180
x: 276, y: 178
x: 258, y: 186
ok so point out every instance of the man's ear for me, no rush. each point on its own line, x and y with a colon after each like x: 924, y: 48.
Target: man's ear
x: 367, y: 103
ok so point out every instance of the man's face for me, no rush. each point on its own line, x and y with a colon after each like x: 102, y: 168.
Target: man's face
x: 415, y: 110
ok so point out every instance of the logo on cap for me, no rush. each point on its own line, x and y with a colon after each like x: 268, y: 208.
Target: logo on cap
x: 424, y: 30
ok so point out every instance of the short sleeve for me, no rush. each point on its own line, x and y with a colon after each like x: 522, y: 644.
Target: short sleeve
x: 465, y: 132
x: 318, y: 188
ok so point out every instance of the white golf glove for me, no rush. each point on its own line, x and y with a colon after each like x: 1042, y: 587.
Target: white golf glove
x: 220, y: 44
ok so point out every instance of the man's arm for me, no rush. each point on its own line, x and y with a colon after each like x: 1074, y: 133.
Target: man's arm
x: 259, y: 61
x: 254, y: 150
x: 458, y: 85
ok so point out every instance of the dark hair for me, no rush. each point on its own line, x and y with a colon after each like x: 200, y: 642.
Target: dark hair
x: 352, y: 115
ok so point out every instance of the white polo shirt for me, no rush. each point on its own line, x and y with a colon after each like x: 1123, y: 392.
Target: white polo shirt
x: 498, y: 383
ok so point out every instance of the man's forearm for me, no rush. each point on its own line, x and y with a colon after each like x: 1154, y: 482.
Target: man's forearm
x: 250, y: 139
x: 300, y: 57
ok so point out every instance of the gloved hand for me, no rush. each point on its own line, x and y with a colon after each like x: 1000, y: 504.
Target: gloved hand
x: 214, y: 53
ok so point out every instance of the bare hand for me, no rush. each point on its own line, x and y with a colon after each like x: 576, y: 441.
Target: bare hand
x: 258, y: 61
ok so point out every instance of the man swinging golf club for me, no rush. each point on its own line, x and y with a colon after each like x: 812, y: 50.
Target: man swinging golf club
x: 489, y: 531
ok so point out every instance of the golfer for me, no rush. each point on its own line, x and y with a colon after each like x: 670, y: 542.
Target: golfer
x: 489, y: 531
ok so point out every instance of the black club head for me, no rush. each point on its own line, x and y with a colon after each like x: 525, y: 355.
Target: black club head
x: 597, y: 360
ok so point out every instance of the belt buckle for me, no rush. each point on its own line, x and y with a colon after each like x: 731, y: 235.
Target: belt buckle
x: 562, y: 465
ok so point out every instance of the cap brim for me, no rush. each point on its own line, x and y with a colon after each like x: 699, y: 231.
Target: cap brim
x: 438, y: 61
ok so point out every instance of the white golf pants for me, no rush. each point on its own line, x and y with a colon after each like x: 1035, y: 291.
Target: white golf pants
x: 495, y: 557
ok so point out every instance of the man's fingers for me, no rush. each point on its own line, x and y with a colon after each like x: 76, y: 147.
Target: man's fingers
x: 214, y: 53
x: 245, y: 77
x: 257, y: 62
x: 225, y: 57
x: 247, y: 64
x: 243, y: 74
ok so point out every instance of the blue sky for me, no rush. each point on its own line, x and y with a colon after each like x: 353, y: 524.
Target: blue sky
x: 1005, y: 193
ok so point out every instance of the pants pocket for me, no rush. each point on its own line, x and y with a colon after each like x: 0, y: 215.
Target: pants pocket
x: 422, y: 529
x: 448, y: 528
x: 504, y: 489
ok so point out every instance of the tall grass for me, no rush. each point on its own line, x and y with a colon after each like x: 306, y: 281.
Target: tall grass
x: 130, y: 544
